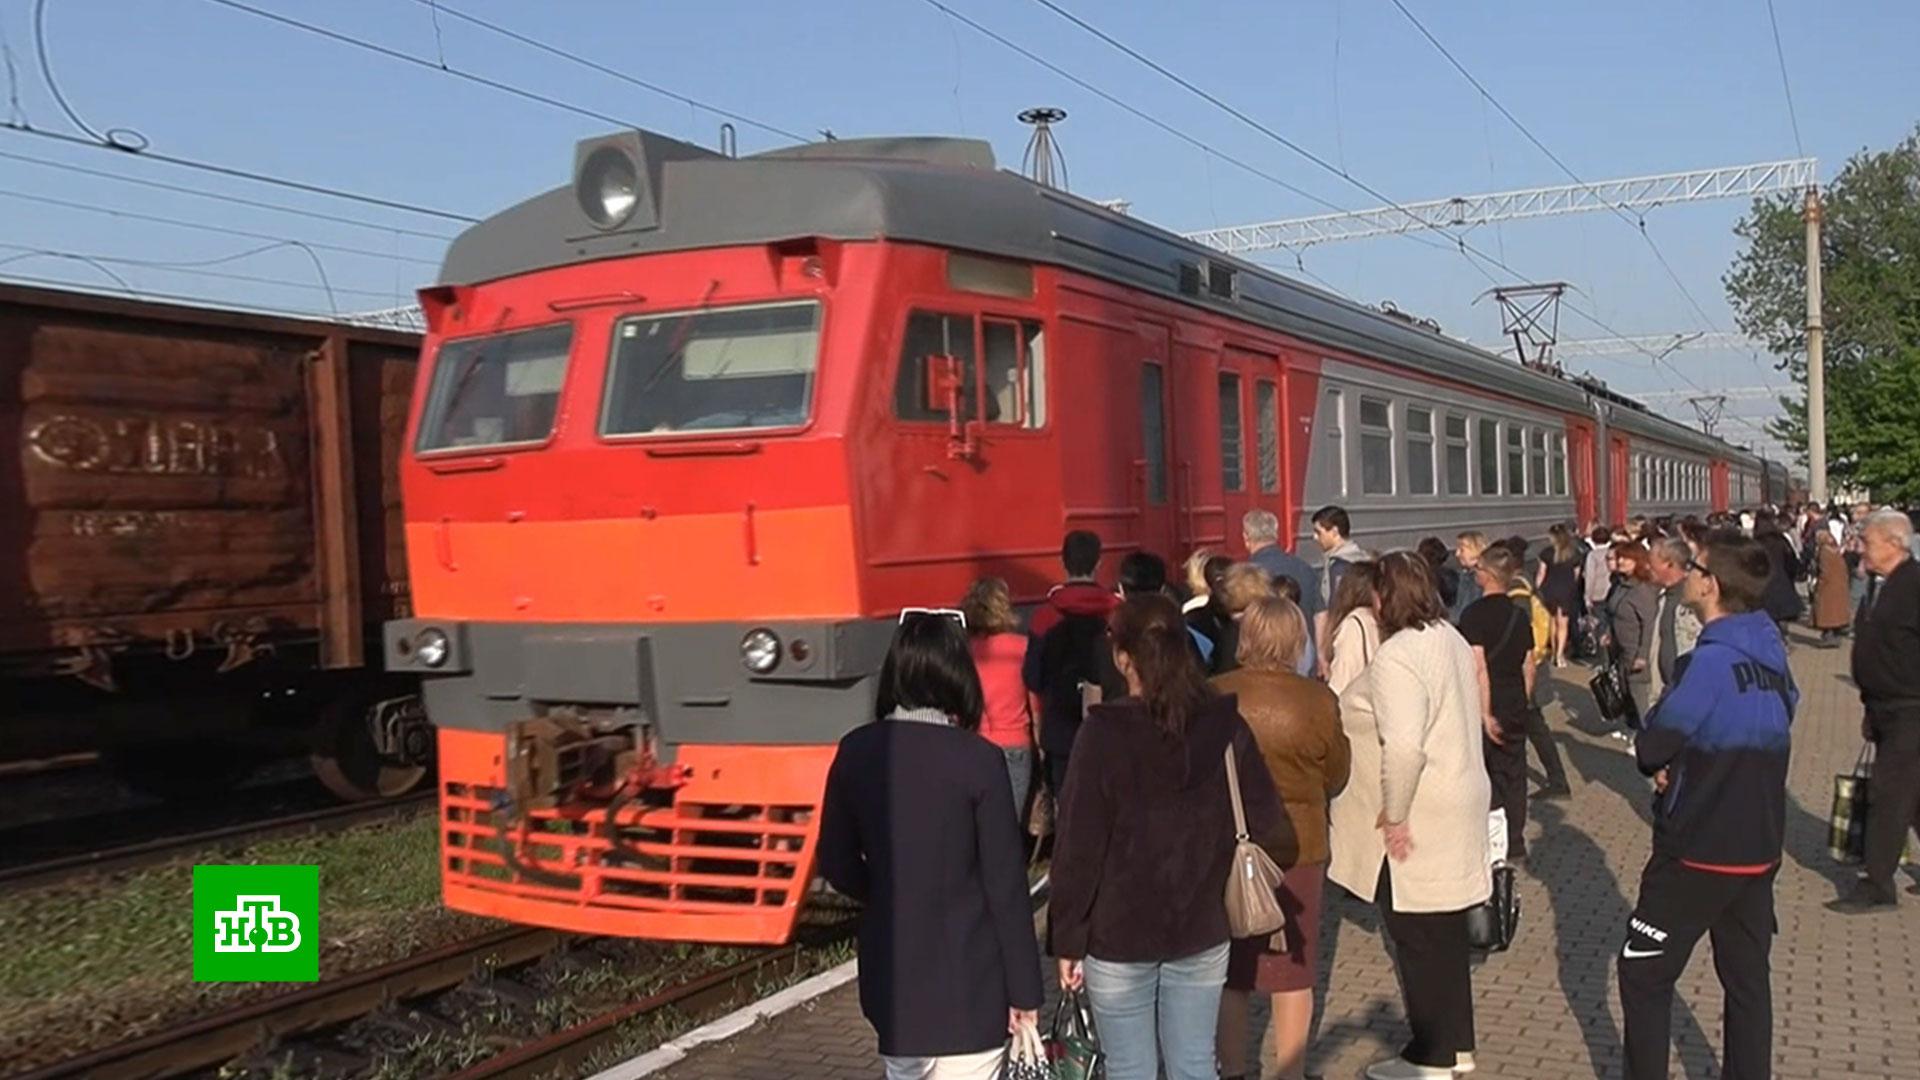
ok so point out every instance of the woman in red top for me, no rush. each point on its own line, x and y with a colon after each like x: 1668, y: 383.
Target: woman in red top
x: 998, y: 649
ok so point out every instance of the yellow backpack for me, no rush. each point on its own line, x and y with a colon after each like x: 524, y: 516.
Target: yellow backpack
x: 1542, y: 620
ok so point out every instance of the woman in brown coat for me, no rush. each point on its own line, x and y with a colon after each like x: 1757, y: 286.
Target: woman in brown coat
x: 1830, y: 597
x: 1296, y: 721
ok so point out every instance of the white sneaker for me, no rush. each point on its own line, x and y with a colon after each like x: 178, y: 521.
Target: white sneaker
x: 1463, y: 1063
x: 1402, y: 1069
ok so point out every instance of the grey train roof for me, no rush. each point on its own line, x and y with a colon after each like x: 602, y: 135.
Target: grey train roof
x: 947, y: 193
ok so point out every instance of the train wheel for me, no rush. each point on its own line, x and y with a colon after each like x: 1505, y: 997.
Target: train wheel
x: 350, y: 764
x: 181, y: 771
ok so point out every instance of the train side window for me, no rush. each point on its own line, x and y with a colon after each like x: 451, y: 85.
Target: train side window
x: 1153, y: 431
x: 1489, y: 457
x: 1333, y: 422
x: 1014, y: 369
x: 1558, y: 469
x: 933, y: 334
x: 1419, y: 450
x: 1232, y: 475
x: 1457, y: 459
x: 1376, y: 447
x: 1537, y: 459
x: 1266, y: 429
x: 498, y: 390
x: 1516, y: 460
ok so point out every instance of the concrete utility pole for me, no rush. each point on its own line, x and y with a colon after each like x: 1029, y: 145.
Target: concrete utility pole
x: 1816, y: 358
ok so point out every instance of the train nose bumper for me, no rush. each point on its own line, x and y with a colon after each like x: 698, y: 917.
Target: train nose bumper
x: 724, y: 857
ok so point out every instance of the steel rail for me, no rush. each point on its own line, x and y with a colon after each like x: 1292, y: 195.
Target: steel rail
x: 211, y: 1040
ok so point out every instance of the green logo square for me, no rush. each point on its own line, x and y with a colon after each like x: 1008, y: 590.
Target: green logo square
x: 256, y: 924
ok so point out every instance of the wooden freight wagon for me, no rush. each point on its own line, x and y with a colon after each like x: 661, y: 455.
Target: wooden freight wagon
x: 199, y: 540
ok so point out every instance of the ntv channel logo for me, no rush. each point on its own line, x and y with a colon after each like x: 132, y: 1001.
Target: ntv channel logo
x: 256, y: 923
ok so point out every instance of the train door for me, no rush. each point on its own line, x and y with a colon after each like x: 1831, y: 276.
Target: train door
x: 1248, y: 441
x: 1580, y: 446
x: 1619, y: 478
x: 1153, y: 462
x: 1209, y: 387
x: 1718, y: 495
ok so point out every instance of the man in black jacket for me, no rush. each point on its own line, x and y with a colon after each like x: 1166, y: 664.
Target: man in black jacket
x: 1886, y: 668
x: 1067, y: 649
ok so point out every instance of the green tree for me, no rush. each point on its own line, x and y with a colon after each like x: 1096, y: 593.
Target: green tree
x: 1870, y: 266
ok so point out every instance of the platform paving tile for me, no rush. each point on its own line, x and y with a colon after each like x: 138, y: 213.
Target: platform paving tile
x: 1846, y: 990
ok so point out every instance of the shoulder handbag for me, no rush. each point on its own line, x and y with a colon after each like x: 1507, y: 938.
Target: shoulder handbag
x: 1492, y: 924
x: 1253, y: 903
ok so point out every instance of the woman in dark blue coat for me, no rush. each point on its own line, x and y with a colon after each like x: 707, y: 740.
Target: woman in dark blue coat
x: 918, y: 824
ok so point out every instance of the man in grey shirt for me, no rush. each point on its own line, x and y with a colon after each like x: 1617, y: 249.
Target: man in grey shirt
x: 1675, y: 626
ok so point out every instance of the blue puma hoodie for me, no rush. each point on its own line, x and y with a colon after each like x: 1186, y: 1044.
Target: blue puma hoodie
x: 1721, y: 732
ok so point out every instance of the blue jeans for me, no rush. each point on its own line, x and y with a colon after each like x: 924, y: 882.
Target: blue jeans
x: 1182, y: 995
x: 1020, y: 775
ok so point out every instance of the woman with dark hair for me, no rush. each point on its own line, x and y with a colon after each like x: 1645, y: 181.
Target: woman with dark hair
x: 999, y: 649
x: 1781, y: 600
x: 1353, y: 634
x: 1145, y: 843
x: 1409, y: 832
x: 916, y: 823
x: 1445, y: 578
x: 1558, y: 585
x: 1212, y: 618
x: 1631, y: 610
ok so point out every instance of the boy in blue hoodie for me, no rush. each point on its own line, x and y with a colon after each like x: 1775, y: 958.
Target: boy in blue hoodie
x: 1716, y: 746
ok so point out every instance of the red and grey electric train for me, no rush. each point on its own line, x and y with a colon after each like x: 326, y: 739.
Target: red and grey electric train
x: 691, y: 429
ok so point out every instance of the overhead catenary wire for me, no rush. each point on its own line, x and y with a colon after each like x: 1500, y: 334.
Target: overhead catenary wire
x: 235, y: 172
x: 1487, y: 95
x: 439, y: 7
x: 225, y: 197
x: 196, y: 300
x: 183, y: 223
x: 199, y: 267
x: 1780, y: 54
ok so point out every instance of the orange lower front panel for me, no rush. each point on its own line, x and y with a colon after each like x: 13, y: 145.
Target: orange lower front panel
x: 727, y: 859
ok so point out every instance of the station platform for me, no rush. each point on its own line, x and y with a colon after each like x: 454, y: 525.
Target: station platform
x: 1845, y: 988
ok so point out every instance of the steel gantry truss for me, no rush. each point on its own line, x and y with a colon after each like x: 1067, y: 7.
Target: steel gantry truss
x: 1632, y: 193
x: 1654, y: 345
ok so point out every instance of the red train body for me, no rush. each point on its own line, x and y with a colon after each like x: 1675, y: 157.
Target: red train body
x: 686, y: 439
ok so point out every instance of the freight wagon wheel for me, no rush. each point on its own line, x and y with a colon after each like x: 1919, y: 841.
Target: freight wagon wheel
x: 180, y: 771
x: 346, y: 760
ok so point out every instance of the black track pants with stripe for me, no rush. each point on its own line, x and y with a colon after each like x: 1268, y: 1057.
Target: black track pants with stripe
x: 1677, y: 906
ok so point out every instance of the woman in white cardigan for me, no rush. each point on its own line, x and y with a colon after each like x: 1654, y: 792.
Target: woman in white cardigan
x: 1410, y: 830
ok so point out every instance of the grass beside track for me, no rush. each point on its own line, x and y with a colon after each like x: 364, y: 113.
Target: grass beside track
x: 90, y: 962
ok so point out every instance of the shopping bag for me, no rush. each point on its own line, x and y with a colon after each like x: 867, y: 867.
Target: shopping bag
x: 1610, y: 693
x: 1847, y: 825
x: 1073, y: 1047
x: 1027, y: 1056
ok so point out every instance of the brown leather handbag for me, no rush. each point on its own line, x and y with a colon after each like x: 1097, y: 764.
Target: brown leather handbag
x: 1253, y: 902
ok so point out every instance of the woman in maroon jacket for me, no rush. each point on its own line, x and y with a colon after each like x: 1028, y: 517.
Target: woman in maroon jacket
x: 1144, y: 846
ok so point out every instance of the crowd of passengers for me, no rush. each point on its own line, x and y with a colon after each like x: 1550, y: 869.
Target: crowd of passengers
x: 1377, y: 706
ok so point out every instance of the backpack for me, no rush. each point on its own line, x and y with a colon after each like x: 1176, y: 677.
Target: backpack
x: 1522, y: 593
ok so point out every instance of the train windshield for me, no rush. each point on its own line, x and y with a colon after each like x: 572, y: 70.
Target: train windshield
x: 498, y: 390
x: 718, y: 369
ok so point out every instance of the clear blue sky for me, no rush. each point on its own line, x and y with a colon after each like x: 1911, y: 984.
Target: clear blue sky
x: 1617, y: 89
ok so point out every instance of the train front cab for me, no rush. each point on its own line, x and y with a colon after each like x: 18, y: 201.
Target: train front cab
x: 637, y: 608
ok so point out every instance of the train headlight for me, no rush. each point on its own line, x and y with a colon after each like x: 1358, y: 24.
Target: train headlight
x: 608, y: 187
x: 431, y: 647
x: 760, y: 651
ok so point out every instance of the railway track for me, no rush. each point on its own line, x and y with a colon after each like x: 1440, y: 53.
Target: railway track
x: 145, y: 853
x: 241, y: 1033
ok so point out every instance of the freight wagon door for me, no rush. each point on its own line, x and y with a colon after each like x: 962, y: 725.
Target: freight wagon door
x: 160, y: 496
